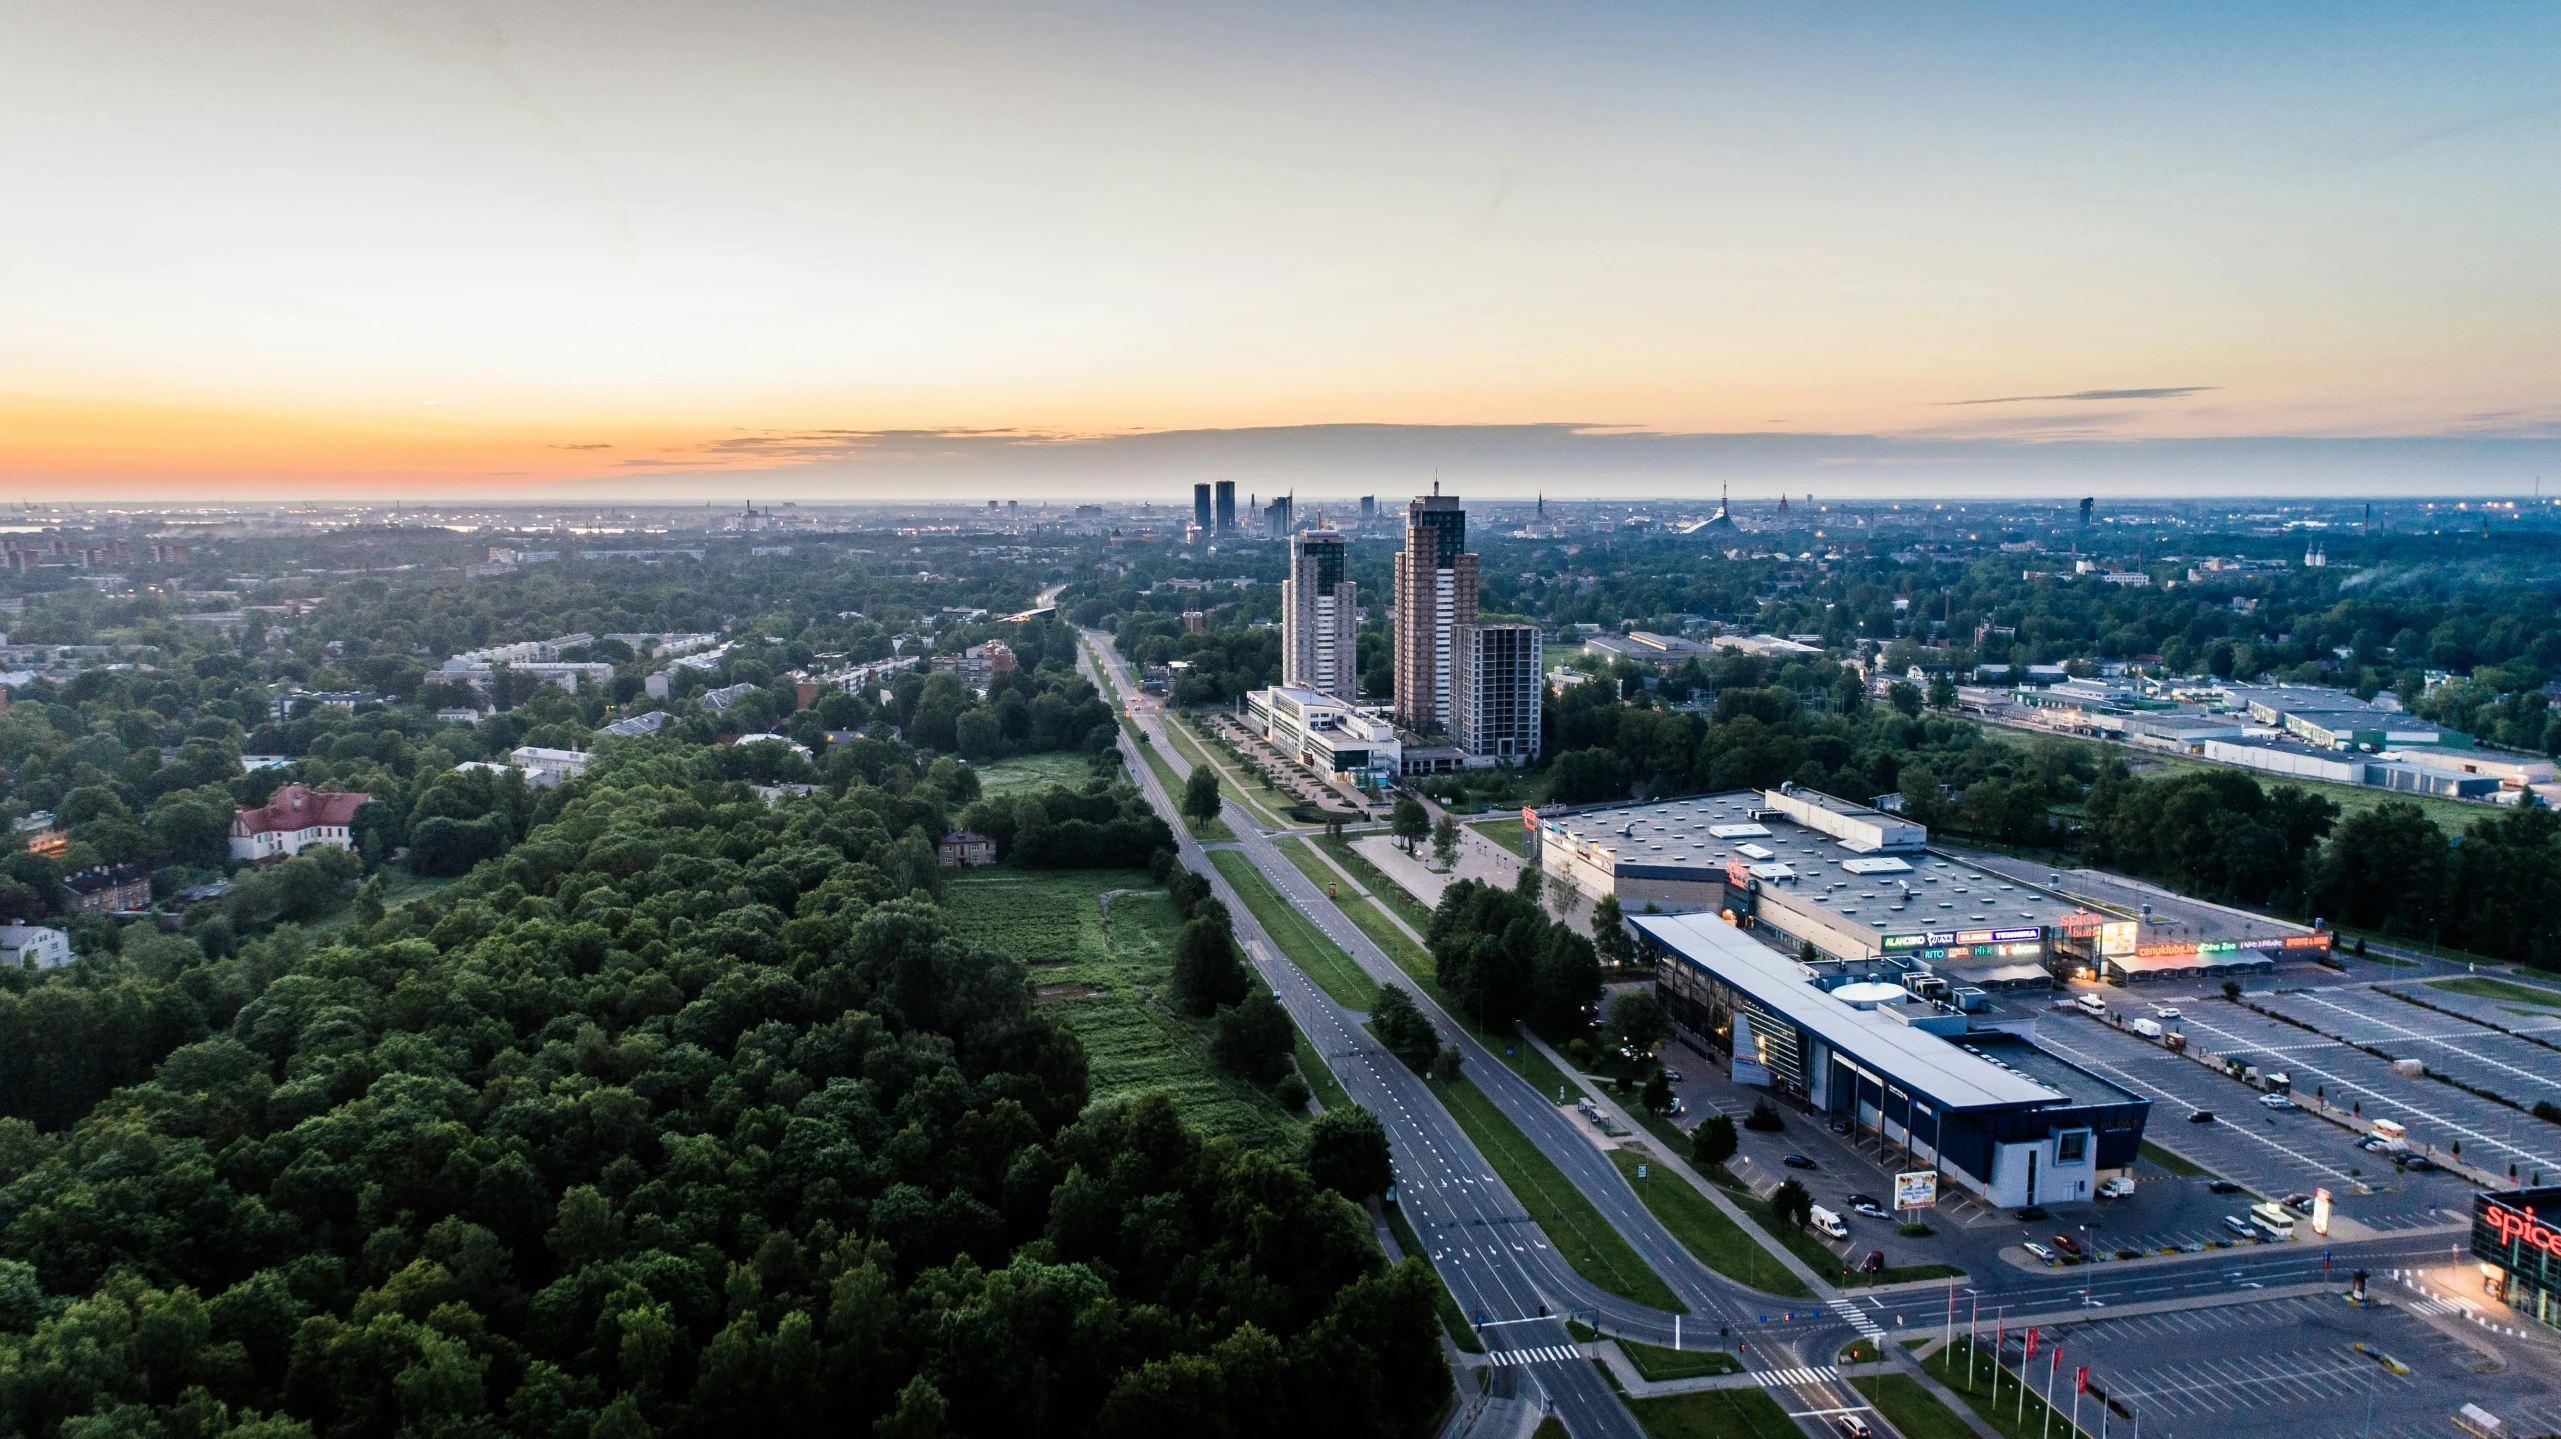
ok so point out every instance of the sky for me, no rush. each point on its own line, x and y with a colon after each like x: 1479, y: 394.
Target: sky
x: 414, y: 247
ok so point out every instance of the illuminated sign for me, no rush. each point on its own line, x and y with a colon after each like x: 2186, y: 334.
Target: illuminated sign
x: 1976, y: 936
x: 2080, y: 921
x: 1916, y: 1189
x: 2321, y: 1212
x: 1903, y: 941
x: 1529, y: 817
x: 1945, y: 937
x: 2006, y: 935
x: 2117, y: 937
x: 2514, y: 1228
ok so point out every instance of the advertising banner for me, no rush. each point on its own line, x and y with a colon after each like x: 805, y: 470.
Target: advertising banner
x: 2321, y: 1212
x: 1916, y: 1189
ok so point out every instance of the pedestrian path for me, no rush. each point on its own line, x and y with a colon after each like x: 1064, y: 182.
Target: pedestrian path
x: 1848, y: 1309
x: 1546, y: 1354
x: 1790, y: 1378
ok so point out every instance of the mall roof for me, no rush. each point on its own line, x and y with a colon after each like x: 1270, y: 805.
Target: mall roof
x: 1916, y: 1058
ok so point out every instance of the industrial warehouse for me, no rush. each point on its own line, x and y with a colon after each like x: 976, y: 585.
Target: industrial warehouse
x: 1858, y: 884
x: 1887, y: 1048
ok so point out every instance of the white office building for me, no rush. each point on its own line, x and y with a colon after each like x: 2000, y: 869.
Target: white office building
x: 1320, y: 617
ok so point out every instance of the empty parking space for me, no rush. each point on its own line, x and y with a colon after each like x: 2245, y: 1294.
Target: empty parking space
x: 2526, y: 1006
x: 2504, y: 1064
x: 2279, y: 1158
x: 2438, y: 1115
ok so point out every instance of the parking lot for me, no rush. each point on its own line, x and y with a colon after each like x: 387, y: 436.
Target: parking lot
x: 2504, y: 1064
x: 2272, y: 1153
x: 2438, y: 1115
x: 2290, y: 1368
x: 2499, y: 1000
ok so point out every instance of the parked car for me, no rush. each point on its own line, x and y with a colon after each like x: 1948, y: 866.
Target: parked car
x: 2299, y: 1203
x: 2200, y: 1116
x: 1671, y: 1074
x: 1857, y: 1199
x: 1874, y: 1263
x: 2068, y: 1244
x: 2041, y: 1252
x: 2032, y: 1213
x: 2222, y: 1186
x: 1679, y: 1106
x: 1799, y: 1161
x: 1853, y: 1427
x: 1861, y: 1204
x: 2275, y: 1101
x: 2165, y: 1011
x: 1840, y: 1126
x: 2419, y: 1162
x: 2239, y: 1226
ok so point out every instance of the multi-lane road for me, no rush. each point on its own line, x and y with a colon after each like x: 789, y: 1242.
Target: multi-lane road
x: 1497, y: 1262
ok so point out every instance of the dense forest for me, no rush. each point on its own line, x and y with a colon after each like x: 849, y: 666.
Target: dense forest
x: 689, y: 1113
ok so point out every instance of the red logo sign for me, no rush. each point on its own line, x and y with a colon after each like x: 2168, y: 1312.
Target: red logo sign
x: 2515, y: 1228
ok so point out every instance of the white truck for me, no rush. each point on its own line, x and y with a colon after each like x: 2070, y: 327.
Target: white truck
x: 2148, y: 1028
x: 2091, y: 1005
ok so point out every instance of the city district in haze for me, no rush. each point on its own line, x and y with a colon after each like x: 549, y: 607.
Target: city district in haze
x: 1400, y: 965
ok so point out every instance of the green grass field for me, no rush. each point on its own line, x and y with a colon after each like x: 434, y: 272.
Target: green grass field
x: 398, y: 887
x: 1109, y: 986
x: 1033, y: 772
x: 1581, y: 1235
x: 1416, y: 914
x: 1705, y: 1231
x: 1506, y: 832
x: 2176, y: 1164
x: 1915, y: 1412
x: 1301, y: 942
x: 1996, y: 1394
x: 1238, y: 786
x: 1715, y: 1414
x: 1658, y: 1363
x: 2505, y: 991
x: 2452, y: 816
x: 1518, y: 1053
x: 1329, y: 1091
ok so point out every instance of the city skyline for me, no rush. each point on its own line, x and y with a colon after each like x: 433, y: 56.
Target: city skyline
x: 456, y: 254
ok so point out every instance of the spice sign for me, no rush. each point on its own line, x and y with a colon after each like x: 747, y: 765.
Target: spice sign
x: 1916, y: 1189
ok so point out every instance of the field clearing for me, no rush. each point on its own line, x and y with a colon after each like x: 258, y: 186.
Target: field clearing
x: 1506, y: 833
x: 1026, y: 772
x: 1134, y: 1044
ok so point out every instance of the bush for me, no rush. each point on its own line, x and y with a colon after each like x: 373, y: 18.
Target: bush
x: 2547, y: 1111
x: 1792, y: 1203
x: 1915, y: 1229
x: 1713, y: 1142
x: 1764, y: 1118
x: 1403, y: 1029
x: 1292, y: 1093
x: 1445, y: 1064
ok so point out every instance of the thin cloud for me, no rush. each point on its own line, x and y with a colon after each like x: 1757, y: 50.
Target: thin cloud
x: 583, y: 447
x: 2162, y: 392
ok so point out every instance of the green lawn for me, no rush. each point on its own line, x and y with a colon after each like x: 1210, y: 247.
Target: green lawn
x: 1034, y: 772
x: 1319, y: 1075
x: 1996, y: 1395
x: 2452, y: 816
x: 1230, y: 779
x: 2176, y: 1164
x: 1110, y: 987
x: 1827, y: 1263
x: 1915, y: 1412
x: 1572, y: 1224
x: 1506, y: 832
x: 1658, y: 1363
x: 399, y: 886
x: 2505, y: 991
x: 1705, y: 1231
x: 1453, y: 1318
x: 1521, y: 1056
x: 1413, y: 911
x: 1715, y: 1414
x: 1303, y: 943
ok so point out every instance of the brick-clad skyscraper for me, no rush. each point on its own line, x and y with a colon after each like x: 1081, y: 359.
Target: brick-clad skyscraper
x: 1435, y: 592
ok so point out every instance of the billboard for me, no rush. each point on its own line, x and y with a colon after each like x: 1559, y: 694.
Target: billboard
x: 2117, y: 937
x: 2321, y: 1212
x: 1916, y: 1189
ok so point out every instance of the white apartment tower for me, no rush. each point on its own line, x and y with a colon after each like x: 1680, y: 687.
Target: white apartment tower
x: 1320, y: 617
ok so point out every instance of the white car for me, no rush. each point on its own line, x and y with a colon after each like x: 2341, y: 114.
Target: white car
x: 2041, y: 1252
x: 2165, y: 1011
x: 2275, y: 1101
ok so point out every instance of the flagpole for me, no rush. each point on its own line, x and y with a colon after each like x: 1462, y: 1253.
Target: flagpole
x: 2053, y: 1367
x: 1973, y: 1317
x: 2080, y: 1386
x: 2026, y: 1352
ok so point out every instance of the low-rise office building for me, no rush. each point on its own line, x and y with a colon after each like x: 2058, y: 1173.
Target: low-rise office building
x: 1969, y: 1095
x: 1355, y: 746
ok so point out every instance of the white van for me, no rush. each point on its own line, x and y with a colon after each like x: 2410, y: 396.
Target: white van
x: 1827, y: 1223
x: 2148, y: 1028
x: 2092, y: 1005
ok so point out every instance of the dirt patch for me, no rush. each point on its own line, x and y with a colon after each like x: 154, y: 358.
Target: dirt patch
x: 1048, y: 992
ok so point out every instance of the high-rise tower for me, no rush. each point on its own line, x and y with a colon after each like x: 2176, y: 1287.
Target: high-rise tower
x: 1320, y: 616
x: 1200, y: 506
x: 1226, y: 507
x: 1435, y: 593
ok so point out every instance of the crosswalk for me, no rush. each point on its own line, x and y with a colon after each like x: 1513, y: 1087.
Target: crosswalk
x: 1848, y: 1309
x: 1547, y: 1354
x: 1790, y: 1378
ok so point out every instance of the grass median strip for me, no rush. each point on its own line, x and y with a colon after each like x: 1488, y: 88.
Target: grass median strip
x: 1329, y: 1091
x: 1715, y: 1414
x: 1234, y: 783
x: 1705, y: 1231
x: 1304, y: 944
x: 1915, y: 1412
x: 2176, y: 1164
x: 1657, y: 1363
x: 1569, y: 1219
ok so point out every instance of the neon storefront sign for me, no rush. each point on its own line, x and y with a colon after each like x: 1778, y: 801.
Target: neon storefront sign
x: 2515, y: 1228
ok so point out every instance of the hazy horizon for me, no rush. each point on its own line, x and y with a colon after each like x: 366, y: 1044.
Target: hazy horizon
x: 285, y: 249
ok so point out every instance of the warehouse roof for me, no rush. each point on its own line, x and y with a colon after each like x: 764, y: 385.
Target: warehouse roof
x: 1913, y: 1057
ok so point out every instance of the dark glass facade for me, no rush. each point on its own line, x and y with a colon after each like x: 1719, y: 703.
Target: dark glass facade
x: 2519, y: 1235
